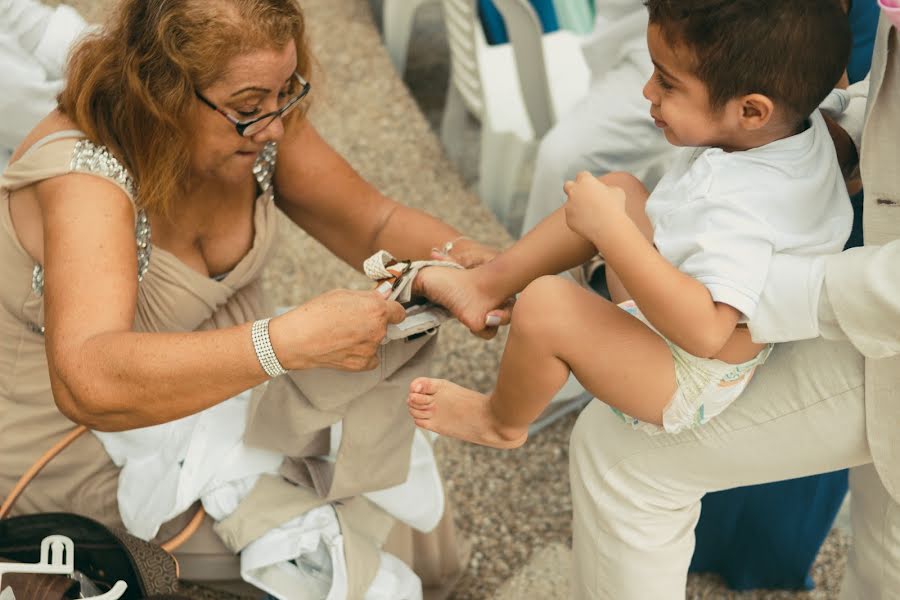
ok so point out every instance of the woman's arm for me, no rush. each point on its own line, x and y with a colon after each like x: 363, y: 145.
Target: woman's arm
x: 108, y: 377
x: 323, y: 195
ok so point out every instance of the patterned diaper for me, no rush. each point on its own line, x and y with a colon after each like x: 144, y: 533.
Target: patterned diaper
x: 706, y: 386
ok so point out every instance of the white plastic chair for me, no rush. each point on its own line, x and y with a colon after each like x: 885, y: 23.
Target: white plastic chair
x: 517, y: 90
x: 397, y: 18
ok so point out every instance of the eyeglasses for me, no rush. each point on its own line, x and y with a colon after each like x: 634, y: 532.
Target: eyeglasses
x: 253, y: 126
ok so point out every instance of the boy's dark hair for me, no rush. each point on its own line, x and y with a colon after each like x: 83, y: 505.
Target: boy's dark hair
x: 793, y: 51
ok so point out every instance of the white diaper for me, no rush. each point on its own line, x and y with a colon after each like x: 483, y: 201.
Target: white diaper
x: 706, y: 386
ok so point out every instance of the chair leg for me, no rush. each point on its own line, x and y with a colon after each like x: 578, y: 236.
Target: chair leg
x: 453, y: 123
x: 502, y: 157
x: 397, y: 19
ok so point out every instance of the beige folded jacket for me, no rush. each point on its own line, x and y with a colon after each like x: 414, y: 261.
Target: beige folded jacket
x: 291, y: 414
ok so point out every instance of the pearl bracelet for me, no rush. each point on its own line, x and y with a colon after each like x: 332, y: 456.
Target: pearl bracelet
x: 264, y: 351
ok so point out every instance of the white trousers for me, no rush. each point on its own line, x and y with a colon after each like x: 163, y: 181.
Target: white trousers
x: 636, y: 498
x: 608, y: 130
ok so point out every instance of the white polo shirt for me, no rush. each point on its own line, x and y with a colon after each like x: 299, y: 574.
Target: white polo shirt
x: 720, y: 217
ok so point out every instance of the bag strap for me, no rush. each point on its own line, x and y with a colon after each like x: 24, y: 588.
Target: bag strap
x: 169, y: 546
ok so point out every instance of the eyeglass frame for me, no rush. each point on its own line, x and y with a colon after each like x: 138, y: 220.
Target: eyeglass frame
x: 241, y: 126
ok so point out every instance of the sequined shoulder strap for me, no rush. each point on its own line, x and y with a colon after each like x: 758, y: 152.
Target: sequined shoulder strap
x: 64, y: 152
x: 88, y: 157
x: 264, y: 168
x: 94, y: 159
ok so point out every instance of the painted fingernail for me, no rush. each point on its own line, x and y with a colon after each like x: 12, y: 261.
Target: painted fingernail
x: 384, y: 287
x: 492, y: 321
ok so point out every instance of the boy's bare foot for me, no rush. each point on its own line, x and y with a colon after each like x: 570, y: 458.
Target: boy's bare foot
x: 452, y: 410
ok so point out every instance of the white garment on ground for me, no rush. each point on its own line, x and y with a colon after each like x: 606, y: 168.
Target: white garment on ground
x: 168, y: 467
x: 303, y: 559
x: 721, y: 216
x: 34, y: 44
x: 610, y: 129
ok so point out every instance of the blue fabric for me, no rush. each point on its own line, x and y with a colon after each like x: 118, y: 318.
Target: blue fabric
x: 768, y: 536
x: 495, y: 30
x: 864, y: 24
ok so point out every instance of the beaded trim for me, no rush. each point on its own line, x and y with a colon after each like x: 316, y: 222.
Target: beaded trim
x: 88, y: 157
x: 264, y: 167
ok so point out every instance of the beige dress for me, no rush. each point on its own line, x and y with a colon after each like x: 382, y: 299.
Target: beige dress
x: 291, y: 415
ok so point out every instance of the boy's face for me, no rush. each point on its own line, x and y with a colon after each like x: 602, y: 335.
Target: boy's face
x: 679, y: 101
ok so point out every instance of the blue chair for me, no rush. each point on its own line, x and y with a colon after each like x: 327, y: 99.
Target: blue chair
x: 495, y: 29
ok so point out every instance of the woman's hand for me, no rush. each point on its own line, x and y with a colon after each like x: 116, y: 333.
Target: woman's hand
x: 340, y: 329
x: 466, y: 252
x: 465, y: 295
x: 593, y: 206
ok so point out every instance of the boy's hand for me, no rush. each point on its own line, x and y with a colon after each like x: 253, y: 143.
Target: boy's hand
x: 593, y: 206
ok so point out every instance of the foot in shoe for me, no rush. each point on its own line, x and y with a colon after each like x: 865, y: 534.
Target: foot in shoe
x: 452, y: 410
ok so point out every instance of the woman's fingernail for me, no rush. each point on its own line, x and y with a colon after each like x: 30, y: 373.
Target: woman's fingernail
x: 492, y: 321
x: 384, y: 287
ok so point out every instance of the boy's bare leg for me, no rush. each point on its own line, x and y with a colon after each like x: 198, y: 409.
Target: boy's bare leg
x: 635, y: 206
x: 557, y: 326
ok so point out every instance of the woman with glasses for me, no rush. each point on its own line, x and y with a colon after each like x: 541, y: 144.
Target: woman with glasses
x: 135, y: 222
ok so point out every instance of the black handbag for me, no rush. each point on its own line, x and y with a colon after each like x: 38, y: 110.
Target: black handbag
x: 102, y: 555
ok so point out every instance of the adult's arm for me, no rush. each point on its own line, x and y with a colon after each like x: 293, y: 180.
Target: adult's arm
x: 860, y: 300
x: 323, y: 195
x: 108, y: 377
x: 795, y: 283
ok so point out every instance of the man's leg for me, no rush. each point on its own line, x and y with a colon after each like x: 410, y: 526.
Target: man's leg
x: 609, y: 130
x: 636, y: 498
x: 873, y: 566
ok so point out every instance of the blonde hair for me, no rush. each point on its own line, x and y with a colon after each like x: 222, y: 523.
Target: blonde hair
x: 131, y: 86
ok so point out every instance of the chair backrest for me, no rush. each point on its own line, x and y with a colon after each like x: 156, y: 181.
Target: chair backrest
x: 525, y: 35
x: 464, y: 36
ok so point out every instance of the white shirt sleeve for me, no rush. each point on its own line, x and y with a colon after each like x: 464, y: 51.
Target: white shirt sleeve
x: 732, y: 256
x: 863, y: 292
x: 790, y: 300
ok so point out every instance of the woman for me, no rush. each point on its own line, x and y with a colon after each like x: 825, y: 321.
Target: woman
x: 141, y: 214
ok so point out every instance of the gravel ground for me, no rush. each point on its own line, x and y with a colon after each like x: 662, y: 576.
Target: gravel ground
x: 512, y: 505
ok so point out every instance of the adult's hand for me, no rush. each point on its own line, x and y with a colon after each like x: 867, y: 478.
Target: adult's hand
x: 340, y: 329
x: 848, y: 156
x: 467, y: 296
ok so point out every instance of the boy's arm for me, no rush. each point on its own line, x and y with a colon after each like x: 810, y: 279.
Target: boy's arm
x: 548, y: 249
x: 678, y: 305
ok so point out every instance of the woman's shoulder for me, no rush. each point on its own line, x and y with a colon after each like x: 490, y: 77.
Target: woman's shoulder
x: 54, y: 123
x: 56, y: 145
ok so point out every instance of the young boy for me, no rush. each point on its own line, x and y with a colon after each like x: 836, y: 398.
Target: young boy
x: 737, y: 83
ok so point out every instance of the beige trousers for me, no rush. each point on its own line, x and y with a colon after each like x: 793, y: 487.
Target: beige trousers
x: 636, y: 498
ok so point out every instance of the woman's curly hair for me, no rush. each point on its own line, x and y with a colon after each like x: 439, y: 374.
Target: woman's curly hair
x: 131, y: 85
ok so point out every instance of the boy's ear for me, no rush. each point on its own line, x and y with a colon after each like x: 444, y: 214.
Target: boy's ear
x: 756, y: 111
